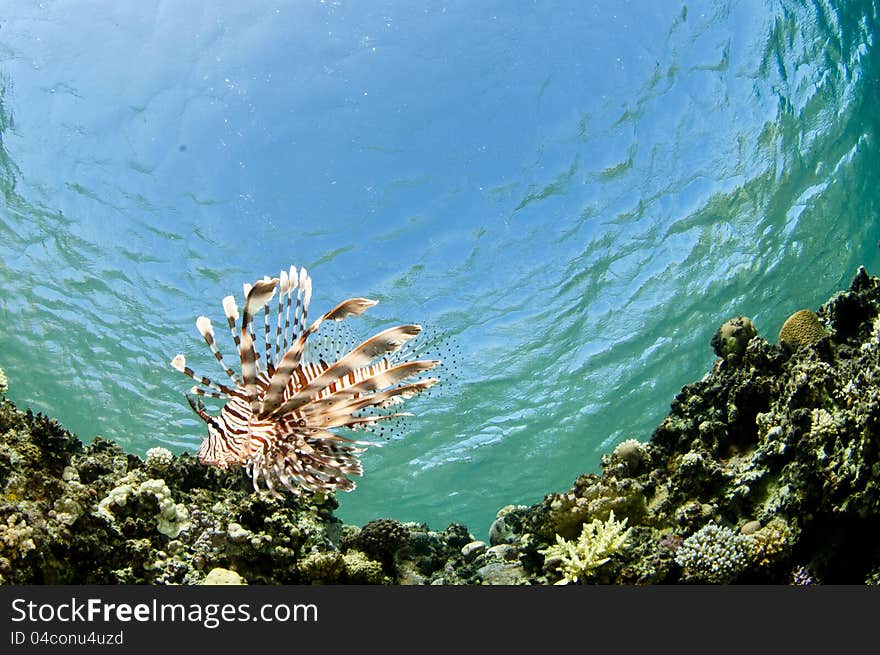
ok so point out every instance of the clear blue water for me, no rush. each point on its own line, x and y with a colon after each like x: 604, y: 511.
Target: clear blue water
x: 574, y: 195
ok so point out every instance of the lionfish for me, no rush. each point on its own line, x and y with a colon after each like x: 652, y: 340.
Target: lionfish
x: 280, y: 412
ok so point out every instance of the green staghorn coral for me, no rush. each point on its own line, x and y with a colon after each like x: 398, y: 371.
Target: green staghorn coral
x: 598, y: 542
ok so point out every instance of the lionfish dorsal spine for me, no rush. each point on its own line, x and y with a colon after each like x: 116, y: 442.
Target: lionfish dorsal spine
x: 283, y: 293
x: 198, y: 391
x: 305, y: 284
x: 267, y: 350
x: 257, y: 297
x: 230, y: 309
x: 246, y: 289
x: 292, y: 285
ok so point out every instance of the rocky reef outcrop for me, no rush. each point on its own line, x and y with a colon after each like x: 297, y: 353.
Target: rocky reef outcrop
x: 764, y: 471
x: 73, y: 514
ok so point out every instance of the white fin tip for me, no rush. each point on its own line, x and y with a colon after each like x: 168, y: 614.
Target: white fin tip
x: 230, y: 308
x: 203, y: 323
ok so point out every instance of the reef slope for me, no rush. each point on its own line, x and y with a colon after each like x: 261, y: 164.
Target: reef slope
x: 764, y: 471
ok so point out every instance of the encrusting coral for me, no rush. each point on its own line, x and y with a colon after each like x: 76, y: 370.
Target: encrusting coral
x: 220, y: 576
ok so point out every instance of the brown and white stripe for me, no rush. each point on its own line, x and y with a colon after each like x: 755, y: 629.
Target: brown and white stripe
x: 277, y: 417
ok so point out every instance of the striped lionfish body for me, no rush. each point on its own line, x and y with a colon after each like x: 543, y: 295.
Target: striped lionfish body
x: 282, y: 408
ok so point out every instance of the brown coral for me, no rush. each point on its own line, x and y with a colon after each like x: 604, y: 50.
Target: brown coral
x: 732, y: 337
x: 801, y: 329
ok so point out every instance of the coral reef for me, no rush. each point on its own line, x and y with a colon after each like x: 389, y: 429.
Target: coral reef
x: 766, y: 470
x: 71, y: 513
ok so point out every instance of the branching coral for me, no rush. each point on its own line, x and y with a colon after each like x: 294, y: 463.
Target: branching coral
x: 171, y: 519
x: 598, y: 542
x: 713, y: 554
x: 158, y: 457
x: 16, y: 537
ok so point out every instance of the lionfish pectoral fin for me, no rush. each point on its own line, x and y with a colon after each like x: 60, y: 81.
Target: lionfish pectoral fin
x: 275, y: 392
x: 342, y: 415
x: 332, y: 436
x: 350, y: 307
x: 319, y: 462
x: 383, y: 343
x: 381, y: 379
